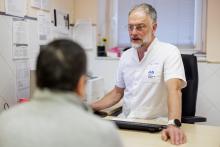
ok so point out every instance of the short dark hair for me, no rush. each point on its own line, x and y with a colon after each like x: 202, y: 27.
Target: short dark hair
x: 147, y: 9
x: 60, y: 65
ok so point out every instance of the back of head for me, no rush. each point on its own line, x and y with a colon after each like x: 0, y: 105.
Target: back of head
x: 60, y: 65
x: 147, y: 9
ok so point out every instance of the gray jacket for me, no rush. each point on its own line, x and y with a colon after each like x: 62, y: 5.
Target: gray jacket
x: 55, y: 119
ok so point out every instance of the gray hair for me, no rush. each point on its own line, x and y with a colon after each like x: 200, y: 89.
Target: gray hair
x: 147, y: 9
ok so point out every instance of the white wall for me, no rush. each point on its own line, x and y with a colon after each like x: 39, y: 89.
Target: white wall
x: 105, y: 68
x: 213, y: 31
x: 85, y: 9
x: 208, y: 100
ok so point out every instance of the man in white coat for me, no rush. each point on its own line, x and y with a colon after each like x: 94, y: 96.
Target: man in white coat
x: 150, y: 76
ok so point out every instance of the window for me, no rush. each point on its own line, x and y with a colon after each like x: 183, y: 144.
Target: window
x: 180, y: 22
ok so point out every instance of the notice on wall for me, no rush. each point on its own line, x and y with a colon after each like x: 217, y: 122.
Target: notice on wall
x: 20, y: 52
x: 58, y: 33
x: 36, y: 3
x: 83, y: 34
x: 44, y: 26
x: 22, y: 79
x: 20, y: 33
x: 20, y: 39
x: 41, y: 4
x: 34, y: 45
x: 16, y: 7
x: 45, y: 5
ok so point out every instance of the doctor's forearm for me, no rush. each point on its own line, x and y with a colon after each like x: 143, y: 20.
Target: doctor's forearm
x: 107, y: 101
x: 175, y: 104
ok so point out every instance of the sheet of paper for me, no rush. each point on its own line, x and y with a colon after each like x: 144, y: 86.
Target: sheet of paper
x: 20, y: 33
x: 44, y: 24
x: 83, y: 34
x: 20, y: 52
x: 41, y: 4
x: 22, y: 79
x: 34, y: 46
x: 58, y: 33
x: 33, y: 58
x: 16, y: 7
x: 20, y: 39
x: 36, y: 3
x: 45, y: 5
x: 61, y: 21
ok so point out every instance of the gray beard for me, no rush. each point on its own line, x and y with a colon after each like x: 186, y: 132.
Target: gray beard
x: 137, y: 46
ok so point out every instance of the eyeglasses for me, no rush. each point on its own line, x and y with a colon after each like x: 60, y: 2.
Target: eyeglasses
x: 138, y: 27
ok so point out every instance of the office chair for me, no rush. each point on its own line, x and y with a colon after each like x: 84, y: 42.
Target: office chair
x: 189, y: 93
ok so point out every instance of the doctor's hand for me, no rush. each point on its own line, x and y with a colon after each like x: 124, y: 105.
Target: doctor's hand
x: 175, y: 134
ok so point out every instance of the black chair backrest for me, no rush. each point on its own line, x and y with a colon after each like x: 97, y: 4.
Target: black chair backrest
x: 189, y: 93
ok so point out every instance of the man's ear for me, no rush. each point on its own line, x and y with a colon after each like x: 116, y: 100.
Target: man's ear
x: 80, y: 88
x: 154, y: 27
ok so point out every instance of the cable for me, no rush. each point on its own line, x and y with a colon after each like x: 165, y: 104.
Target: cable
x: 6, y: 106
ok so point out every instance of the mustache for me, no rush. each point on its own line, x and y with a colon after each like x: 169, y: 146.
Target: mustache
x: 135, y: 38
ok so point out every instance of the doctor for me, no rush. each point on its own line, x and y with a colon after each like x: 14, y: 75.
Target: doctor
x: 150, y: 76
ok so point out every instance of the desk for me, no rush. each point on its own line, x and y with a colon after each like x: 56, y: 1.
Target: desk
x: 197, y: 136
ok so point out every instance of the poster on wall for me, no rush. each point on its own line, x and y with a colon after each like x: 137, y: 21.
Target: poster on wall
x: 44, y: 26
x: 20, y: 34
x: 81, y: 28
x: 36, y: 3
x: 16, y: 7
x: 41, y: 4
x: 22, y: 79
x: 45, y: 5
x: 20, y: 39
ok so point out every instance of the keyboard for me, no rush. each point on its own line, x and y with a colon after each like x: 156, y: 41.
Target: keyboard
x: 152, y: 128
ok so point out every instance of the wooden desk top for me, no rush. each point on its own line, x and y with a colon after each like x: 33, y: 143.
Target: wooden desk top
x: 197, y: 136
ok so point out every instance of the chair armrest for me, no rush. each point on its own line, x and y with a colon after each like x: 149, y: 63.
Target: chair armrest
x: 192, y: 119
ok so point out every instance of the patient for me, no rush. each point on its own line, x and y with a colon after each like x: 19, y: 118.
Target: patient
x: 56, y: 115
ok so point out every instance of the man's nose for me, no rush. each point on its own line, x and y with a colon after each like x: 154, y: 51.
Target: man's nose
x: 133, y: 31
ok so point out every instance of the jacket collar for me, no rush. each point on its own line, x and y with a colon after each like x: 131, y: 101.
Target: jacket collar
x: 59, y: 96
